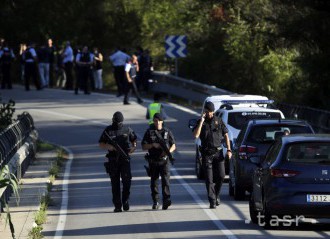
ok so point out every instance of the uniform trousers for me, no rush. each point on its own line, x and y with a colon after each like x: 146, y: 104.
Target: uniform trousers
x: 214, y: 171
x: 119, y: 74
x: 31, y: 71
x: 161, y: 169
x: 120, y: 169
x: 6, y: 78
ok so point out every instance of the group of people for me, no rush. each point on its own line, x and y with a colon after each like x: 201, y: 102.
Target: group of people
x: 131, y: 72
x: 48, y: 66
x: 159, y: 141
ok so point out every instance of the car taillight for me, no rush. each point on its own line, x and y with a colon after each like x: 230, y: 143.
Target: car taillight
x: 283, y: 173
x: 247, y: 149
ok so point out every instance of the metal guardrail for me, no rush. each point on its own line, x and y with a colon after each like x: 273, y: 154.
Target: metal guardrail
x: 186, y: 89
x: 197, y: 92
x: 14, y: 136
x: 17, y: 148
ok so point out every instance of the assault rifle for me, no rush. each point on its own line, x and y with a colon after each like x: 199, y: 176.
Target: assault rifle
x: 163, y: 145
x: 120, y: 151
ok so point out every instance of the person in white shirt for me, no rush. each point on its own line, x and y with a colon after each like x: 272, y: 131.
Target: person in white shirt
x: 131, y: 69
x: 119, y: 59
x: 68, y: 65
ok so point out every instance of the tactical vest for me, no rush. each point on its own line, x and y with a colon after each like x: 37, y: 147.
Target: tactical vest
x: 85, y: 57
x: 211, y: 134
x: 132, y: 71
x: 153, y: 152
x: 121, y: 136
x: 153, y: 108
x: 6, y: 57
x: 28, y: 54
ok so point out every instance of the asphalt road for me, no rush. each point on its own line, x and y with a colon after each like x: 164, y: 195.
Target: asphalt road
x: 82, y: 196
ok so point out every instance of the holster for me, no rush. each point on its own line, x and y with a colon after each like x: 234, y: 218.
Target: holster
x: 107, y: 167
x: 147, y: 157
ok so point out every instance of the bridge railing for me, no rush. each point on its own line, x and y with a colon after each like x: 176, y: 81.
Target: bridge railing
x: 17, y: 147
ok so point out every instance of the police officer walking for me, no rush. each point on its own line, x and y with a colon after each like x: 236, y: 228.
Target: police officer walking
x: 115, y: 137
x: 158, y: 160
x: 211, y: 130
x: 131, y: 69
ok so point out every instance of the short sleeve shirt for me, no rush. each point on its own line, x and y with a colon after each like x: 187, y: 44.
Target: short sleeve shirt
x: 150, y: 137
x: 212, y: 132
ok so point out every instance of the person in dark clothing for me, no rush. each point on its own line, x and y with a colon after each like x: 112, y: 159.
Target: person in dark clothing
x: 6, y: 58
x: 211, y: 130
x: 119, y: 167
x: 31, y: 67
x: 145, y: 69
x: 84, y: 61
x: 158, y: 160
x: 131, y: 69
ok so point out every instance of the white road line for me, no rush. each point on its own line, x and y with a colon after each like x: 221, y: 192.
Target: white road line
x: 199, y: 201
x: 65, y: 197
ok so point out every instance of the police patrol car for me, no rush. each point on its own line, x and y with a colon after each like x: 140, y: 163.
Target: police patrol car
x: 235, y: 111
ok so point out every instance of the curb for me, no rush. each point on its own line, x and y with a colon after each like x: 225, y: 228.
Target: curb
x: 33, y: 186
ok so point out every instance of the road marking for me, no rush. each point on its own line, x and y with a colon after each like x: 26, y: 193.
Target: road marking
x: 208, y: 211
x: 65, y: 197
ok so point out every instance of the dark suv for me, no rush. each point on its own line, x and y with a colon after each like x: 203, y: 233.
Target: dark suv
x: 253, y: 142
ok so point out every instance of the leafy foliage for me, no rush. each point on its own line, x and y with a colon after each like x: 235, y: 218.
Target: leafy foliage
x: 272, y: 47
x: 6, y: 113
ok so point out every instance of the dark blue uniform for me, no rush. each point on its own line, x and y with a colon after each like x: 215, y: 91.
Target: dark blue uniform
x: 118, y: 166
x: 211, y: 136
x: 159, y: 164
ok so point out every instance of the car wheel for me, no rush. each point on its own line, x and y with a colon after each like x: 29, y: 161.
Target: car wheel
x: 265, y: 217
x: 230, y: 188
x: 253, y: 211
x: 198, y: 166
x: 239, y: 192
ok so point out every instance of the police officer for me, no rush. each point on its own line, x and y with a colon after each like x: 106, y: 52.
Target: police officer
x: 158, y: 160
x: 155, y: 107
x: 211, y: 130
x: 131, y: 69
x: 84, y: 62
x: 119, y: 167
x: 6, y: 58
x: 31, y: 67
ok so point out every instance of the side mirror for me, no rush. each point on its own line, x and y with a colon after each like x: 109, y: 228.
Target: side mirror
x: 192, y: 123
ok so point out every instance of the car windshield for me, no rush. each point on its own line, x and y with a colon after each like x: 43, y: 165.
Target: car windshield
x: 239, y: 119
x: 268, y: 133
x: 318, y: 152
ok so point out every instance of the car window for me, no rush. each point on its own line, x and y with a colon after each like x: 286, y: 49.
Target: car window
x: 241, y: 136
x: 266, y: 133
x: 273, y: 152
x: 239, y: 119
x: 318, y: 152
